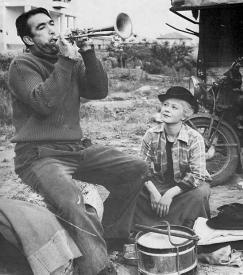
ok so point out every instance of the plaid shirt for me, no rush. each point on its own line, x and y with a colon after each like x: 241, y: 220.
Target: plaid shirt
x: 188, y: 155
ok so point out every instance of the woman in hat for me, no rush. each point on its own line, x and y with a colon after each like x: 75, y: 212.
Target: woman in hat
x: 178, y: 189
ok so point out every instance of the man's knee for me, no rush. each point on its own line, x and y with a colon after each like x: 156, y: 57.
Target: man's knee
x: 56, y: 185
x: 140, y: 168
x: 32, y: 175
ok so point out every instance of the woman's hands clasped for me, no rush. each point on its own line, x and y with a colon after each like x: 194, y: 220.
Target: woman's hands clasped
x: 163, y: 205
x: 155, y: 198
x: 160, y: 204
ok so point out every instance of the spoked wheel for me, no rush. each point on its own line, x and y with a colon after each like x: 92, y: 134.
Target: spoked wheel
x: 222, y: 154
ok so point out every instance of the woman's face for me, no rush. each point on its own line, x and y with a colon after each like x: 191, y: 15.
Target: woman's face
x: 172, y: 111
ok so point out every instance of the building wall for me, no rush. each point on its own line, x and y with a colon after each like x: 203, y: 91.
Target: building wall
x: 2, y: 30
x: 11, y: 9
x: 66, y: 18
x: 11, y: 34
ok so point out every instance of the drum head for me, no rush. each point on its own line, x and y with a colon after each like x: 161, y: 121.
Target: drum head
x: 158, y: 241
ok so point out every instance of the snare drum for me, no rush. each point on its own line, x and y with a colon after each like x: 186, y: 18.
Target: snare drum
x: 158, y: 255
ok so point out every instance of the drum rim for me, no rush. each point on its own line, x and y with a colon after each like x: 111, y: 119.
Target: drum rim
x: 184, y: 229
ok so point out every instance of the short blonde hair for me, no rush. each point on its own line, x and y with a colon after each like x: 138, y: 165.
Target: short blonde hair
x: 187, y: 108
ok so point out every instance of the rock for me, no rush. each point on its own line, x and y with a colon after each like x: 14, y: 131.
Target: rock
x: 5, y: 160
x: 240, y: 184
x: 144, y: 88
x: 122, y: 270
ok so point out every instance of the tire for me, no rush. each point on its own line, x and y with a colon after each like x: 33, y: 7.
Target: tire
x: 224, y: 162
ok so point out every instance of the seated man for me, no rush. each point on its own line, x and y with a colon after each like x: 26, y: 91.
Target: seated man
x: 178, y: 189
x: 47, y: 85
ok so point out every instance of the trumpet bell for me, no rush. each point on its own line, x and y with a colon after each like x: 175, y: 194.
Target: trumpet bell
x: 123, y: 26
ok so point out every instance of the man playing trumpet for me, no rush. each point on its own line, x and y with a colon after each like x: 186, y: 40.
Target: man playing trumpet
x: 47, y: 84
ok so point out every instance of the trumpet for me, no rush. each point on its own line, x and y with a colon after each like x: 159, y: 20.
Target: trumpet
x: 122, y: 27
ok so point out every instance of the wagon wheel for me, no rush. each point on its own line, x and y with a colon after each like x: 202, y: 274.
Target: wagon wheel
x: 223, y: 154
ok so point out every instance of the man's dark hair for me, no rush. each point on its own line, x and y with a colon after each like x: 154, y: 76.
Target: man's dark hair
x: 21, y: 22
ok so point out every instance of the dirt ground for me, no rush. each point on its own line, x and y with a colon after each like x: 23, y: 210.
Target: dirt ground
x: 117, y: 135
x: 10, y: 185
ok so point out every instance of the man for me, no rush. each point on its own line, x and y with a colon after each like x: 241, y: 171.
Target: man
x: 46, y: 85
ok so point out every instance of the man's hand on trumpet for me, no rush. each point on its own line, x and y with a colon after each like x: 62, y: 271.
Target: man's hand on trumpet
x: 67, y: 49
x: 84, y: 44
x: 78, y: 37
x: 73, y: 50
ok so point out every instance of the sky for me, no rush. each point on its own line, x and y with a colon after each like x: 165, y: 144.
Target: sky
x: 148, y: 16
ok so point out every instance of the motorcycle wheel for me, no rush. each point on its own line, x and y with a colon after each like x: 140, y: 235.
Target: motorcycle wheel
x: 224, y: 158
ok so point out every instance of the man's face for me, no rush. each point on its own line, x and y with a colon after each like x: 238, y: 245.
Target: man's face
x: 43, y: 34
x: 172, y: 111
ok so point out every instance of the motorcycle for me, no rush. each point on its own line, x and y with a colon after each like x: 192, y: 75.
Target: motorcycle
x: 220, y: 121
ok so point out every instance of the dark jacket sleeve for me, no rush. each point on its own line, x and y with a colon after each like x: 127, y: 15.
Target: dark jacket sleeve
x: 93, y: 81
x: 43, y: 95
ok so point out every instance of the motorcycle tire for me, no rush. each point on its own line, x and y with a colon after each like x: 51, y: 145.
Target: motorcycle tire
x: 224, y: 162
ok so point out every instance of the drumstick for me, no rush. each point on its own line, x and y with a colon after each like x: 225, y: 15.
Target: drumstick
x: 161, y: 231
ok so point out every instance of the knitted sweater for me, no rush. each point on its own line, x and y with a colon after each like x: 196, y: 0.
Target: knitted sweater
x: 46, y: 93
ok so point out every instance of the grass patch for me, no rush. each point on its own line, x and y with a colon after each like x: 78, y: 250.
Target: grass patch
x: 124, y: 115
x: 120, y: 123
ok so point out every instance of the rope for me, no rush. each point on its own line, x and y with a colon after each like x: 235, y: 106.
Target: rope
x: 87, y: 232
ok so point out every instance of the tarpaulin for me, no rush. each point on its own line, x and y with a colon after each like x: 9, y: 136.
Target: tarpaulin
x: 190, y: 4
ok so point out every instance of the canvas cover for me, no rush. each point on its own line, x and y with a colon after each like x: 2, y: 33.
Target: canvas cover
x: 190, y: 4
x: 221, y: 35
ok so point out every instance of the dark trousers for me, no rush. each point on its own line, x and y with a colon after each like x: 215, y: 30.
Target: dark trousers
x: 51, y: 171
x: 184, y: 210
